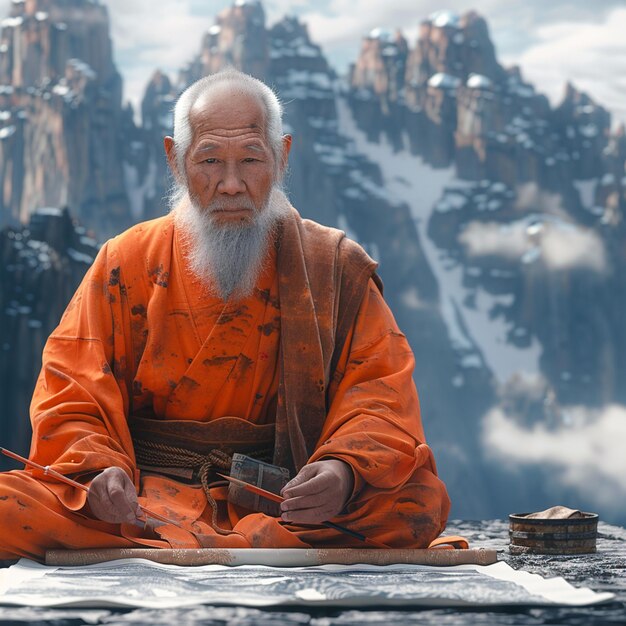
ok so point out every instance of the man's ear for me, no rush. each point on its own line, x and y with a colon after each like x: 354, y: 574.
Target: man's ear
x: 170, y: 152
x: 285, y: 154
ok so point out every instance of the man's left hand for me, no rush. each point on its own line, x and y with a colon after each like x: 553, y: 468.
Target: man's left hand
x: 318, y: 493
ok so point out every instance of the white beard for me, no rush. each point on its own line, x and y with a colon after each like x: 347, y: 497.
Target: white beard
x: 228, y: 257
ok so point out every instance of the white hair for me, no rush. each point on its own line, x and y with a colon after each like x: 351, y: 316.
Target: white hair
x: 228, y: 258
x: 243, y: 83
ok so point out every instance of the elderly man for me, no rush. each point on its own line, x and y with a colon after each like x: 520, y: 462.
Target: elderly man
x: 231, y: 325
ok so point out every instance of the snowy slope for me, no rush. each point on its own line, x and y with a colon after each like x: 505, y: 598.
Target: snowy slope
x: 478, y: 338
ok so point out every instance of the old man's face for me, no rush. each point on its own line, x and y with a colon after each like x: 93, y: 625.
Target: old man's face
x: 234, y: 199
x: 230, y: 166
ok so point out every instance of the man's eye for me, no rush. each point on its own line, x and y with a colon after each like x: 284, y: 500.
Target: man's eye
x: 211, y: 160
x: 250, y: 160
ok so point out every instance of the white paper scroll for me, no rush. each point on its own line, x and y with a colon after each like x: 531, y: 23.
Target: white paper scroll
x: 144, y: 584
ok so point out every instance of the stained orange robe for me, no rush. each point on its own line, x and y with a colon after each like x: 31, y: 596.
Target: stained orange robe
x: 189, y: 356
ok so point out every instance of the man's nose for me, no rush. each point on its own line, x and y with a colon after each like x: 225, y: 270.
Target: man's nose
x: 232, y: 182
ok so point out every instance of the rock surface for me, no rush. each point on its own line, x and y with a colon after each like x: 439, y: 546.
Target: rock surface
x: 40, y: 267
x: 602, y: 571
x: 61, y: 140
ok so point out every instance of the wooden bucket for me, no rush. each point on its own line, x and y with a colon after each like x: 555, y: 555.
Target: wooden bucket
x: 576, y: 535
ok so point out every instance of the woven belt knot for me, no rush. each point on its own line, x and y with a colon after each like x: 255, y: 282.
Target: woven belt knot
x: 157, y: 454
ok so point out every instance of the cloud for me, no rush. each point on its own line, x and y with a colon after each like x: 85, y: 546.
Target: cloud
x: 560, y: 245
x: 573, y: 247
x: 592, y: 56
x: 491, y: 238
x: 148, y: 36
x: 167, y: 35
x: 587, y: 454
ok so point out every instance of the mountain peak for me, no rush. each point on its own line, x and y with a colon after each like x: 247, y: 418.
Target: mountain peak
x: 238, y: 38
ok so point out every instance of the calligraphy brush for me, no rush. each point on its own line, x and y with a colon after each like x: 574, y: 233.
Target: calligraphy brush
x: 277, y: 498
x: 46, y: 469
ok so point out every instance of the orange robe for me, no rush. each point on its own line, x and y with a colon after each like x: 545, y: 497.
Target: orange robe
x: 185, y: 355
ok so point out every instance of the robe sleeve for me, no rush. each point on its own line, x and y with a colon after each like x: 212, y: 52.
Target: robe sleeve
x: 80, y: 402
x: 374, y: 423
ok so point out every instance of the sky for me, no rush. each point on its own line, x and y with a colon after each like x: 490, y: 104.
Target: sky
x: 552, y: 40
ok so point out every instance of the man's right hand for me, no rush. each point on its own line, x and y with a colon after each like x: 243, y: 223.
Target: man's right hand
x: 112, y: 497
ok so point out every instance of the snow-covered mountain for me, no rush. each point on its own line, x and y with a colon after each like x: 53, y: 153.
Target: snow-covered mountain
x: 497, y: 221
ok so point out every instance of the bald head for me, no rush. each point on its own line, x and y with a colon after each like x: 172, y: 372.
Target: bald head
x: 227, y: 112
x: 224, y: 89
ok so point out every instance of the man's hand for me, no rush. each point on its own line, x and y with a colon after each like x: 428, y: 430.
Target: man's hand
x: 112, y: 497
x: 318, y: 492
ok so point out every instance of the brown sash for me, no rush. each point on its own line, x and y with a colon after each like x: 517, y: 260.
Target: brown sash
x: 225, y: 434
x: 323, y: 277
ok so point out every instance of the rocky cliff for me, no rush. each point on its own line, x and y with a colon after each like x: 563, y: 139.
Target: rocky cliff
x: 41, y: 264
x: 551, y: 176
x: 61, y: 114
x: 522, y: 209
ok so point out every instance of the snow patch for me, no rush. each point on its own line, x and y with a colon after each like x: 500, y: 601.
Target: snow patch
x: 79, y: 257
x: 407, y: 179
x: 7, y: 132
x: 440, y: 80
x: 137, y: 193
x: 11, y: 22
x: 342, y: 224
x: 49, y: 211
x: 442, y: 19
x: 410, y: 298
x: 478, y: 81
x: 607, y: 180
x: 379, y: 33
x: 586, y: 190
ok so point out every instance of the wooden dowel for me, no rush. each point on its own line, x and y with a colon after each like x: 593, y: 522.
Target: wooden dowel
x: 285, y: 557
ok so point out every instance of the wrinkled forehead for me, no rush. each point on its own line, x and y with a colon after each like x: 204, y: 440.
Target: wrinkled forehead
x: 228, y: 108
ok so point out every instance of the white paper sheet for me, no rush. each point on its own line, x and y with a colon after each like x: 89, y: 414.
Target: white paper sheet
x: 144, y: 584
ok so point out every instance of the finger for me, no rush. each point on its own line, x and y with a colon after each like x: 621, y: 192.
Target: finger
x: 131, y: 496
x: 317, y: 484
x: 304, y: 502
x: 305, y: 474
x: 104, y: 510
x: 122, y: 503
x: 111, y: 511
x: 112, y: 482
x: 122, y: 481
x: 308, y: 516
